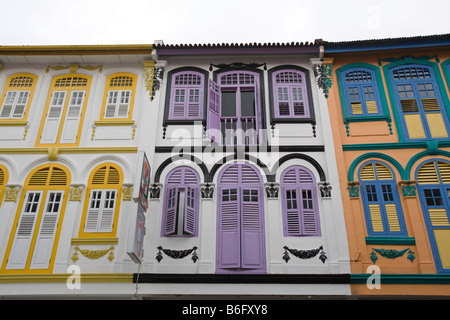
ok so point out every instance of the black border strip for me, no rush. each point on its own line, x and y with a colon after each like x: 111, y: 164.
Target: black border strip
x: 242, y: 278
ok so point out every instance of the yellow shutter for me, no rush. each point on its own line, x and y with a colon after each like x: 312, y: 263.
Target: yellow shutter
x: 438, y: 217
x: 371, y: 106
x: 444, y: 170
x: 427, y: 174
x: 367, y: 172
x: 391, y: 212
x: 375, y: 216
x: 2, y: 177
x: 356, y: 108
x: 383, y: 172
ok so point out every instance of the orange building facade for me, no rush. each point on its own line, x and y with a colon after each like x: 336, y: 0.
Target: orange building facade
x: 390, y: 114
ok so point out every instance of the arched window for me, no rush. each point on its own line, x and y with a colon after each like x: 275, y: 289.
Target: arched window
x: 186, y: 96
x: 119, y: 96
x: 290, y: 94
x: 17, y: 96
x: 433, y: 179
x: 361, y: 92
x: 181, y: 203
x: 38, y: 220
x: 419, y: 102
x: 299, y: 201
x: 65, y: 109
x: 101, y: 209
x: 381, y: 201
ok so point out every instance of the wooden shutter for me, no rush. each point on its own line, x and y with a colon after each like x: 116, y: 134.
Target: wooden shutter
x: 309, y: 211
x: 193, y: 103
x: 24, y: 231
x: 53, y: 117
x: 100, y: 215
x: 47, y: 230
x: 73, y: 116
x: 292, y: 223
x: 213, y: 119
x: 170, y: 211
x: 190, y: 209
x: 251, y: 236
x: 229, y: 250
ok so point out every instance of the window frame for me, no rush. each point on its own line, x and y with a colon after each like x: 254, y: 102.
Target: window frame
x: 10, y: 88
x: 178, y: 229
x: 378, y: 187
x: 105, y: 186
x: 436, y: 80
x: 307, y: 91
x: 63, y: 117
x: 380, y: 96
x: 300, y: 188
x: 109, y: 87
x: 168, y: 119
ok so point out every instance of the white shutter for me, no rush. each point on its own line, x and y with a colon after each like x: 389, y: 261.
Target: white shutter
x: 107, y: 214
x: 117, y: 104
x: 14, y: 104
x: 72, y: 119
x: 100, y: 215
x: 47, y: 229
x: 93, y: 211
x: 51, y: 127
x: 25, y: 229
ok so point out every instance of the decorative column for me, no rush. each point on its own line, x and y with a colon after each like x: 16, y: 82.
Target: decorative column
x: 413, y: 206
x: 208, y: 212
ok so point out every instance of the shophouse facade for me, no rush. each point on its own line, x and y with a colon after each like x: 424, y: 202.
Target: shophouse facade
x: 389, y: 111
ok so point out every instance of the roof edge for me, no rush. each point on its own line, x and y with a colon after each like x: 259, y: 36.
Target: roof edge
x: 76, y: 49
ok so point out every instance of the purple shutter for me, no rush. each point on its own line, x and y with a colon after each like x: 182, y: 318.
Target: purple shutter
x: 300, y: 207
x: 229, y: 250
x: 170, y: 209
x: 291, y: 208
x: 309, y: 211
x: 252, y: 242
x: 190, y: 209
x: 213, y: 119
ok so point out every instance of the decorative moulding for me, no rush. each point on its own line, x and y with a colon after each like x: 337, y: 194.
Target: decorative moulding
x: 304, y: 254
x: 93, y: 254
x: 391, y: 254
x: 177, y: 254
x: 272, y: 190
x: 127, y: 191
x: 11, y: 192
x: 207, y: 190
x: 73, y: 68
x: 75, y: 192
x: 408, y: 188
x: 353, y: 190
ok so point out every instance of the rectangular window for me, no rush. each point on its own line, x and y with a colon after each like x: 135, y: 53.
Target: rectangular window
x: 100, y: 215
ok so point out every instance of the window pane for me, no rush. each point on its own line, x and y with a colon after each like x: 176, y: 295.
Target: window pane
x: 228, y: 103
x: 247, y: 103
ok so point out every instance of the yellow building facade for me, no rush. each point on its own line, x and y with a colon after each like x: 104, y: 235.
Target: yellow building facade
x: 389, y: 107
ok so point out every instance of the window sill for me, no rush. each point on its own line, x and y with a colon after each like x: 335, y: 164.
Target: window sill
x: 115, y: 122
x: 366, y: 118
x: 94, y: 241
x: 10, y: 122
x: 391, y: 240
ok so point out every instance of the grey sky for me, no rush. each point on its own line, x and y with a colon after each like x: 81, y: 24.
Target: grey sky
x: 79, y: 22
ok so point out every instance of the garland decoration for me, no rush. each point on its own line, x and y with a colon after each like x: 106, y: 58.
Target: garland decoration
x: 304, y: 254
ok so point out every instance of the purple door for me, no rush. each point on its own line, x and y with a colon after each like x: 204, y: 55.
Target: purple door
x: 240, y: 227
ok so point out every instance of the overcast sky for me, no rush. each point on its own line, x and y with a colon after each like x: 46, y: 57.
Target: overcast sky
x: 81, y: 22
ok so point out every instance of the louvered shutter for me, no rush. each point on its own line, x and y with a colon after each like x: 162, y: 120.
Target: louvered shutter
x: 193, y: 103
x: 213, y: 119
x: 73, y: 116
x: 229, y: 250
x: 93, y: 213
x: 53, y: 117
x: 47, y: 229
x: 107, y: 214
x: 170, y: 211
x: 309, y: 215
x: 190, y: 209
x: 100, y: 215
x: 252, y: 237
x: 25, y: 229
x: 292, y: 223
